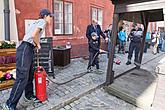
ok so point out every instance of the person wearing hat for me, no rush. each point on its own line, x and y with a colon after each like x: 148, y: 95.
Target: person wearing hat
x: 94, y: 50
x: 24, y: 61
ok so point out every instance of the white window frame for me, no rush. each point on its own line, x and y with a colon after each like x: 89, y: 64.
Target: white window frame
x: 65, y: 19
x: 97, y: 13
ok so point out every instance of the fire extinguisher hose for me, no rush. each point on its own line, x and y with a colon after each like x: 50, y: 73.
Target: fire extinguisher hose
x: 75, y: 76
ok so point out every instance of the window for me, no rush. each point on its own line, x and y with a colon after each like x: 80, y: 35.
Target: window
x: 98, y: 15
x: 63, y: 17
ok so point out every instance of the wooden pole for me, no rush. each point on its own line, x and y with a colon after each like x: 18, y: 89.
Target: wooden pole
x: 110, y: 73
x: 145, y: 21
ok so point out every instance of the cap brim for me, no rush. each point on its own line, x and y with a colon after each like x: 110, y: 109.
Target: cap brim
x: 51, y: 15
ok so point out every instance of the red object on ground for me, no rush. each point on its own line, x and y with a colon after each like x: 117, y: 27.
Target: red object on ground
x: 118, y: 62
x: 40, y: 83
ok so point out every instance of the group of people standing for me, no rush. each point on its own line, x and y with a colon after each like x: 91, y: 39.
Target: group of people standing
x: 134, y: 38
x: 155, y: 39
x: 93, y: 33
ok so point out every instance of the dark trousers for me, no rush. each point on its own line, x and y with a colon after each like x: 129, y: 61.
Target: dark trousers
x: 24, y: 74
x: 134, y: 46
x: 109, y: 47
x: 121, y: 46
x: 146, y: 46
x: 158, y: 48
x: 93, y: 60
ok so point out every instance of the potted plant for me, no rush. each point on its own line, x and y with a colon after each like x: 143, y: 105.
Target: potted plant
x: 7, y: 47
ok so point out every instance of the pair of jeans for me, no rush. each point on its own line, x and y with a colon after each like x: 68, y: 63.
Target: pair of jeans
x: 163, y: 46
x: 146, y: 47
x: 121, y: 46
x: 93, y: 60
x: 24, y: 73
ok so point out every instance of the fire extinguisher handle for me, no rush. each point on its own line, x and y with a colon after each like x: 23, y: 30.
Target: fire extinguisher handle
x: 37, y: 57
x: 37, y: 50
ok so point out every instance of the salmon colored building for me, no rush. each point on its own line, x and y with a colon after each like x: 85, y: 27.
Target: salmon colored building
x: 70, y: 20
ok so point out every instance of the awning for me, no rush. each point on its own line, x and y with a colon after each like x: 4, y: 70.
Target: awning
x: 131, y: 10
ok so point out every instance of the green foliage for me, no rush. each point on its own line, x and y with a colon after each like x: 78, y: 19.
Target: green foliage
x: 2, y: 79
x: 59, y: 47
x: 7, y: 44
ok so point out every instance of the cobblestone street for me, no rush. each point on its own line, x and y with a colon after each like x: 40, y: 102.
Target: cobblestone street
x: 74, y: 89
x: 101, y: 100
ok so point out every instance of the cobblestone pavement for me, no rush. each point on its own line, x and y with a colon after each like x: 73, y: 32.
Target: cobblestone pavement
x: 99, y: 100
x: 72, y: 83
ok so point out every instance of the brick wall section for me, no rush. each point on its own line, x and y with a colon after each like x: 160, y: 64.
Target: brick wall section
x: 81, y: 18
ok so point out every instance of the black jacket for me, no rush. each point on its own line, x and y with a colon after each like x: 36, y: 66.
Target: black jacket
x: 94, y: 46
x: 136, y: 35
x: 108, y: 32
x: 91, y: 29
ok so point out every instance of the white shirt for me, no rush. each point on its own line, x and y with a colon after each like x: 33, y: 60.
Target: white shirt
x: 40, y: 23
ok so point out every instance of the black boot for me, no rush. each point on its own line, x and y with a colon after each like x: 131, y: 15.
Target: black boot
x: 128, y: 63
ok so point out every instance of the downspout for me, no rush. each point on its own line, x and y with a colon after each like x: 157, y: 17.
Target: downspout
x: 7, y: 19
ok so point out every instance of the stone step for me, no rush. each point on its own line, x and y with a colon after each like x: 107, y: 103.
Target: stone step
x: 136, y: 87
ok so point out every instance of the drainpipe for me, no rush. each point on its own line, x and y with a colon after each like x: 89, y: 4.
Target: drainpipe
x: 7, y: 19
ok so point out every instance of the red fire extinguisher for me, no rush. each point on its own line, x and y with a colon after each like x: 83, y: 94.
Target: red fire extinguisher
x: 40, y: 81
